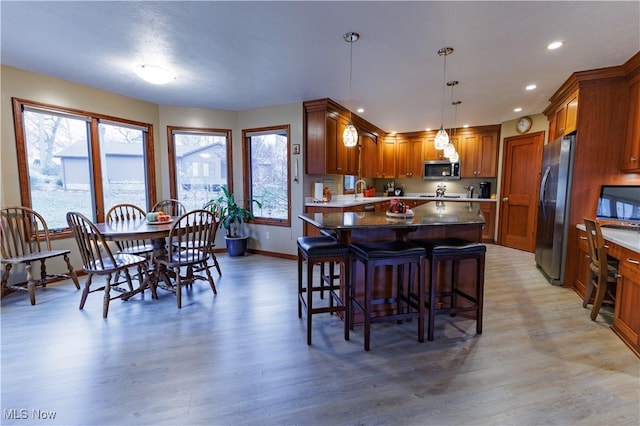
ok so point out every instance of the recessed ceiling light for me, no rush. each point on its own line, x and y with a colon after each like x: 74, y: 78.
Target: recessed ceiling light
x: 465, y: 126
x: 555, y: 45
x: 428, y: 129
x: 517, y: 109
x: 154, y: 74
x: 360, y: 110
x: 531, y: 87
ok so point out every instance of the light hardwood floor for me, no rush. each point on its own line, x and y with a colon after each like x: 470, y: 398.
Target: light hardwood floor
x: 241, y: 358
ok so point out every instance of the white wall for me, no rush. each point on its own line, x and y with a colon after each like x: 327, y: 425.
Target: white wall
x: 39, y: 88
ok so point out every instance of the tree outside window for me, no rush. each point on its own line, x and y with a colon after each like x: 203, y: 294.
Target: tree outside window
x: 267, y: 170
x: 199, y: 164
x: 80, y: 161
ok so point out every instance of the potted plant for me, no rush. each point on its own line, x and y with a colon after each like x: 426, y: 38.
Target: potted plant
x: 232, y: 218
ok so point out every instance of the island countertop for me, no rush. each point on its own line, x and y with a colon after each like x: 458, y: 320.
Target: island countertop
x: 429, y: 214
x: 341, y: 201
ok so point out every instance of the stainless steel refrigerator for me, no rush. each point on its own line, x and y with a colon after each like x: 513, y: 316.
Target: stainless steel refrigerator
x: 553, y: 208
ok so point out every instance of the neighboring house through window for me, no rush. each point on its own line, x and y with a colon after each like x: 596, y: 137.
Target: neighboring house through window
x: 199, y: 164
x: 71, y: 160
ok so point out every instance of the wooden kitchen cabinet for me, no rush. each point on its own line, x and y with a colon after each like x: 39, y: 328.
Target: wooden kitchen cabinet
x: 626, y: 317
x: 324, y: 124
x: 478, y: 151
x: 410, y: 156
x: 630, y: 161
x: 489, y: 212
x: 565, y: 119
x: 584, y: 264
x: 369, y: 155
x: 387, y: 158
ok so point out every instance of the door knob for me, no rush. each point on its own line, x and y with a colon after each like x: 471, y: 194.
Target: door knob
x: 505, y: 199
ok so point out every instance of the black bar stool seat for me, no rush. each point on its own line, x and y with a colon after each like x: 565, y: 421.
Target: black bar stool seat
x: 319, y: 251
x: 454, y: 250
x: 397, y: 254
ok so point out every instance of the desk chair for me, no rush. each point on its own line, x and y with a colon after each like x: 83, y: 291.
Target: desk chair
x: 603, y: 276
x: 24, y: 239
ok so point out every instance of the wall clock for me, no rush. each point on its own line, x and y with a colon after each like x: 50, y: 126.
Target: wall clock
x: 523, y: 125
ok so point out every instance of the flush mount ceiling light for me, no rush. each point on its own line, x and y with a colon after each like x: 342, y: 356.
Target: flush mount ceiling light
x: 154, y: 74
x: 350, y: 134
x: 555, y: 45
x: 442, y: 138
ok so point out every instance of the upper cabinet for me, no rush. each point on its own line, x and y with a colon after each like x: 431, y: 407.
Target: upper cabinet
x: 565, y: 118
x: 409, y: 155
x: 324, y: 123
x: 630, y: 161
x: 369, y: 155
x: 478, y: 151
x: 387, y: 158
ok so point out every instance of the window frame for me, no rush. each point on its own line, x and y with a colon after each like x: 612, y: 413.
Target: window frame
x: 247, y: 184
x: 93, y: 120
x: 173, y: 180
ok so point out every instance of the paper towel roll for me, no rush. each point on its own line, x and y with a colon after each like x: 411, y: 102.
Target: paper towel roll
x: 317, y: 192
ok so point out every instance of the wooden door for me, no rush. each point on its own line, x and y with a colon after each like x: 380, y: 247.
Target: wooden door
x: 520, y: 191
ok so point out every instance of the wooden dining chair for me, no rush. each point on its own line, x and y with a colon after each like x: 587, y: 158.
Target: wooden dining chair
x: 125, y: 212
x: 170, y: 206
x: 216, y: 209
x: 191, y: 235
x: 25, y: 239
x: 603, y: 277
x: 97, y: 259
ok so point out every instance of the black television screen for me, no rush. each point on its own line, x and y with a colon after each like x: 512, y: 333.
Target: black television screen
x: 619, y: 203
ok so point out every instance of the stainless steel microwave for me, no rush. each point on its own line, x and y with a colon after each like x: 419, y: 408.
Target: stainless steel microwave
x: 440, y: 170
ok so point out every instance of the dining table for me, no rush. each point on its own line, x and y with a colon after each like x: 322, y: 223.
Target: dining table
x: 141, y: 229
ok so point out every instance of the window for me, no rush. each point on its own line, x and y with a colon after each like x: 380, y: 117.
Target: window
x: 199, y: 164
x: 266, y: 164
x: 72, y: 160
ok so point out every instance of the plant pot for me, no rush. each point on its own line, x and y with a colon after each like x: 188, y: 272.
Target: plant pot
x: 236, y: 246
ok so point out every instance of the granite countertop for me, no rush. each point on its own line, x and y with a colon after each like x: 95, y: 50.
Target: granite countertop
x: 350, y: 200
x: 627, y: 238
x: 429, y: 214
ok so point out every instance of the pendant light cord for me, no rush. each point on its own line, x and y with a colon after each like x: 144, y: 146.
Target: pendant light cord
x: 350, y: 74
x: 444, y: 78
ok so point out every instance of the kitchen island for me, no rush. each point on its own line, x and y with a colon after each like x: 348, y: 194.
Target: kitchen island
x: 345, y: 203
x: 432, y: 221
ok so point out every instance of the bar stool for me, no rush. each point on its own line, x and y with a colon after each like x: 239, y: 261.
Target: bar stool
x: 397, y: 254
x: 321, y: 250
x: 454, y: 250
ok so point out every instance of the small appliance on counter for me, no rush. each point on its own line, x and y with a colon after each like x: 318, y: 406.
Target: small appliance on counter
x: 485, y: 189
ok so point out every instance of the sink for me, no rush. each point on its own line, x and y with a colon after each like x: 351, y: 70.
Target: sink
x: 444, y: 196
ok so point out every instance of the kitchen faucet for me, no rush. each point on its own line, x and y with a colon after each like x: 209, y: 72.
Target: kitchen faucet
x: 364, y: 187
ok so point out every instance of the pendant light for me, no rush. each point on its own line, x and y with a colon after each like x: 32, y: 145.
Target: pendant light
x: 442, y: 138
x: 453, y: 153
x: 350, y: 134
x: 449, y: 149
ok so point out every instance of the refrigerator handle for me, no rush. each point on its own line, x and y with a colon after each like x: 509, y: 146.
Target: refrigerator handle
x: 543, y: 188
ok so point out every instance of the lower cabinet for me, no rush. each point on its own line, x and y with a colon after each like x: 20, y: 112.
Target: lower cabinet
x: 626, y: 318
x: 489, y: 228
x: 583, y: 275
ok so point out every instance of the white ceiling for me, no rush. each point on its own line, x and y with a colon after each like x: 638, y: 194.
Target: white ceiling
x: 243, y: 55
